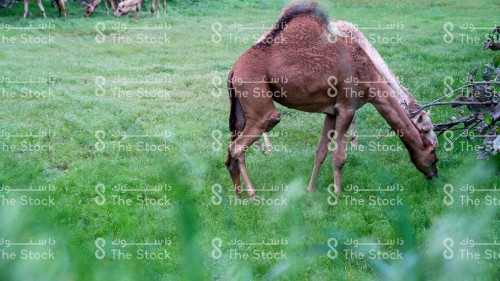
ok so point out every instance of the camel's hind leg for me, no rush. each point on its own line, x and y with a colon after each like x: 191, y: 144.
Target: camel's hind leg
x: 260, y: 116
x: 231, y: 163
x: 62, y: 8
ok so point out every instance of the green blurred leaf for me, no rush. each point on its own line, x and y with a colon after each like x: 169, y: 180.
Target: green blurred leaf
x: 473, y: 71
x: 496, y: 60
x: 487, y: 118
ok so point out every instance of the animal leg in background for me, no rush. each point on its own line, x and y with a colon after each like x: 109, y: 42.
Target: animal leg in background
x: 268, y: 147
x: 164, y: 6
x: 107, y: 8
x: 40, y: 5
x: 137, y: 9
x: 158, y: 7
x: 353, y: 137
x: 152, y: 8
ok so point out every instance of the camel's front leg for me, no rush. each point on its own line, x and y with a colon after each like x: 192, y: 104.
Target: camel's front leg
x: 26, y: 2
x: 137, y: 9
x: 112, y: 3
x: 339, y: 156
x: 322, y: 149
x: 39, y: 2
x: 106, y: 6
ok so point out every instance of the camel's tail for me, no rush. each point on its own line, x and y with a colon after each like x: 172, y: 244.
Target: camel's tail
x: 232, y: 104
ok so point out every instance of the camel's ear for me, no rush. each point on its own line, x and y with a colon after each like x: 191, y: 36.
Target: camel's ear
x: 429, y: 112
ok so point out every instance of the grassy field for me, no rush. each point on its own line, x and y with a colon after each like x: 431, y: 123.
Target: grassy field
x: 114, y: 132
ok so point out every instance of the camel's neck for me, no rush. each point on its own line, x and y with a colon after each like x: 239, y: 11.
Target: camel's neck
x: 397, y: 117
x: 395, y: 107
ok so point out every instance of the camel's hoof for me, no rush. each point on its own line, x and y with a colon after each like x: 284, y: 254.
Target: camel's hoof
x: 310, y: 189
x: 251, y: 192
x: 239, y: 191
x: 268, y: 150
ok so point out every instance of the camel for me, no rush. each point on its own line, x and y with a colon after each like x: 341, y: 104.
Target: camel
x: 331, y: 69
x: 90, y: 7
x: 127, y: 6
x: 60, y: 4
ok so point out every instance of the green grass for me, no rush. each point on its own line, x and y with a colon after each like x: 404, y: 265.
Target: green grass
x: 191, y: 117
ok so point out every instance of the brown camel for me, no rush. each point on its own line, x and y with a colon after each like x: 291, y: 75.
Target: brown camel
x: 90, y: 7
x: 60, y: 4
x: 331, y: 68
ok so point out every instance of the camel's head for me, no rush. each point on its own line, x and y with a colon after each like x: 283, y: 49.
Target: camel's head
x: 426, y: 160
x: 120, y: 10
x: 89, y: 10
x: 126, y: 7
